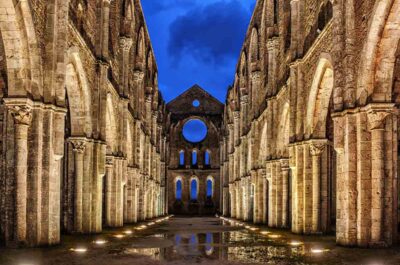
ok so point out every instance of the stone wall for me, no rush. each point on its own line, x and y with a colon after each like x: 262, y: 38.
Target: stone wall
x: 83, y: 144
x: 180, y: 111
x: 318, y: 154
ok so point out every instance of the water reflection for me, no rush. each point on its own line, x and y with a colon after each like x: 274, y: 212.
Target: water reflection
x: 238, y: 246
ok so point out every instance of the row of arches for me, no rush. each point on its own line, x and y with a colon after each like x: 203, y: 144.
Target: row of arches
x: 194, y: 158
x: 194, y: 188
x: 324, y: 150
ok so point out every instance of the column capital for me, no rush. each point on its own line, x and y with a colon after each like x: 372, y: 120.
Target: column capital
x: 138, y: 75
x: 376, y: 119
x: 236, y: 115
x: 256, y: 75
x: 22, y: 114
x: 125, y: 43
x: 317, y: 149
x: 78, y: 145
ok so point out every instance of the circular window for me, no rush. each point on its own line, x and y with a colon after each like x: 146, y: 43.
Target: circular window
x: 196, y: 103
x: 194, y: 131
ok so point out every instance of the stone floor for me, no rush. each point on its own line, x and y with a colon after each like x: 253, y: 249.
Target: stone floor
x: 197, y: 240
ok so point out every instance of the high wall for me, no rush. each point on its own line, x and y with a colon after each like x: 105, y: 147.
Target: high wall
x: 81, y: 118
x: 311, y: 124
x: 181, y: 165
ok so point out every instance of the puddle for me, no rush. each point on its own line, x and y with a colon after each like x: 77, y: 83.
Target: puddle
x: 197, y: 240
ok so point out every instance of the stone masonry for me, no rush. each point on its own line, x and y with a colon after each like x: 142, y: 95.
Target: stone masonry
x: 311, y: 123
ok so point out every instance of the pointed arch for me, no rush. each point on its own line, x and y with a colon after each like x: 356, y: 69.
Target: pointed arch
x: 378, y: 52
x: 140, y: 50
x: 24, y: 74
x: 320, y: 98
x: 78, y: 97
x: 127, y: 18
x: 254, y: 54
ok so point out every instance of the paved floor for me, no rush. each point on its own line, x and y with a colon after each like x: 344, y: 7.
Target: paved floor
x: 197, y: 240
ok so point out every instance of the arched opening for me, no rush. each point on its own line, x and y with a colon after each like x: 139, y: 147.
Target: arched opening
x: 210, y: 188
x: 181, y: 158
x: 207, y: 158
x: 276, y: 12
x: 178, y: 190
x: 194, y: 189
x: 321, y: 133
x: 209, y: 248
x: 194, y: 158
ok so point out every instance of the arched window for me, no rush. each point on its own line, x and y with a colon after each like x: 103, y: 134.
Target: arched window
x: 276, y: 10
x: 193, y: 189
x: 209, y: 244
x: 178, y: 190
x: 207, y: 158
x: 194, y: 158
x: 210, y: 188
x: 181, y: 158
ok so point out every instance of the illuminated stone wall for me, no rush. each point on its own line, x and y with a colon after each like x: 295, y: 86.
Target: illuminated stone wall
x: 181, y: 110
x: 82, y: 135
x: 311, y: 124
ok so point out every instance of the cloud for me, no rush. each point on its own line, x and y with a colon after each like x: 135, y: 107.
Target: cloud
x: 211, y: 33
x: 164, y: 5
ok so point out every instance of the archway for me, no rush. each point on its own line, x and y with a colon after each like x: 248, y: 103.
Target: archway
x: 320, y: 132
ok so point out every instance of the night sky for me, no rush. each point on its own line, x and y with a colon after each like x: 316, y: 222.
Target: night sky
x: 197, y: 42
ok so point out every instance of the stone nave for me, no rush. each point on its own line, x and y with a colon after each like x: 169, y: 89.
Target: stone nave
x: 306, y: 141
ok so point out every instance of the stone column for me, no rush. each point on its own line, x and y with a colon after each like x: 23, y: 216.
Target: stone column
x: 377, y: 128
x: 125, y: 46
x: 236, y: 129
x: 316, y: 150
x: 22, y: 115
x: 138, y: 77
x: 285, y: 192
x: 109, y: 183
x: 105, y: 28
x: 78, y: 146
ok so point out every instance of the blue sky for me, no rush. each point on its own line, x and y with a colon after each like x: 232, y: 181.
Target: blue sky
x: 197, y: 42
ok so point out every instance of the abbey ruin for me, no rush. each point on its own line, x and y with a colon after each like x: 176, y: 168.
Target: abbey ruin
x: 306, y: 141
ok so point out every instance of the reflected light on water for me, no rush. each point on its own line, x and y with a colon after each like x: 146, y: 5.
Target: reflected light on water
x: 318, y: 250
x: 295, y: 243
x: 79, y: 250
x: 100, y: 242
x: 274, y: 236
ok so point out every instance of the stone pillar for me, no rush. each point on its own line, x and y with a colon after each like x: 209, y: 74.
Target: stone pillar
x: 78, y: 145
x: 377, y: 127
x: 125, y: 46
x: 104, y: 33
x: 22, y: 115
x: 316, y: 152
x: 138, y: 77
x: 256, y: 98
x: 109, y: 183
x: 285, y: 192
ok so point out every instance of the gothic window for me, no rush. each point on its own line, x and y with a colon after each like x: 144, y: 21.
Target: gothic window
x: 178, y: 190
x: 193, y: 190
x: 209, y: 191
x: 276, y: 10
x: 181, y: 158
x: 207, y: 158
x: 194, y: 158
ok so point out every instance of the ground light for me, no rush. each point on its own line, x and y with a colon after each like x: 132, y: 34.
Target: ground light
x: 100, y: 242
x: 79, y: 250
x: 128, y: 232
x: 318, y: 250
x: 119, y: 236
x: 274, y: 236
x: 295, y: 243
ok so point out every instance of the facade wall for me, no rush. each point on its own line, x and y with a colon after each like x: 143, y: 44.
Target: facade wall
x: 181, y: 110
x: 318, y: 152
x: 82, y: 121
